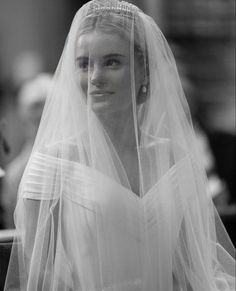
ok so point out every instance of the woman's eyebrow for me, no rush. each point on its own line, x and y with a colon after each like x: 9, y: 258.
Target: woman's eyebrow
x: 81, y: 58
x: 114, y: 55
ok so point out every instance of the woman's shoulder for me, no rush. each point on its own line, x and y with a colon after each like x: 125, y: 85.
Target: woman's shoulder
x: 67, y: 149
x: 163, y: 143
x: 166, y: 149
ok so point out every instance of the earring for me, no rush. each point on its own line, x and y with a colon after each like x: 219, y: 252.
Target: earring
x: 144, y: 89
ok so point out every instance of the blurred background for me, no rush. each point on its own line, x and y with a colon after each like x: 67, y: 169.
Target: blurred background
x: 201, y: 34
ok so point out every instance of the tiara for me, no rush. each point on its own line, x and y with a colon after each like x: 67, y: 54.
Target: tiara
x: 116, y: 6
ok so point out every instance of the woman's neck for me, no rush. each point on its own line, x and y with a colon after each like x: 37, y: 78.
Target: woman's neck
x: 121, y: 131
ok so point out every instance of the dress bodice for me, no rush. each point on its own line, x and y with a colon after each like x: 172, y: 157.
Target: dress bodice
x: 111, y: 237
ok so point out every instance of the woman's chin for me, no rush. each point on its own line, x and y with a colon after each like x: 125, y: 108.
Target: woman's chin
x: 100, y: 106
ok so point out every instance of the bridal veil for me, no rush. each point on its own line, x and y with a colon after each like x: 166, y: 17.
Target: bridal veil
x: 114, y: 195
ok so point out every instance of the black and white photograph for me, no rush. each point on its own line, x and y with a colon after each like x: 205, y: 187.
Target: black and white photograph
x: 117, y: 145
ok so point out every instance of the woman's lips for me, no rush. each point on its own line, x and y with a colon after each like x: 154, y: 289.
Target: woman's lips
x: 100, y: 94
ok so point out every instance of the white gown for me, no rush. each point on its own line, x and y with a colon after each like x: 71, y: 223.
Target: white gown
x: 115, y: 241
x: 117, y: 119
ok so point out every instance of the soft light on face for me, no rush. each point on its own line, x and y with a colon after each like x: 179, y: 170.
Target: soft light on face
x: 104, y: 74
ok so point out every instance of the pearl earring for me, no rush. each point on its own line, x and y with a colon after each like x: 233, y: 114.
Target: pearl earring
x: 144, y: 89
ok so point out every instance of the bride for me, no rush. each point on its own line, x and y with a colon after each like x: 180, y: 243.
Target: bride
x: 114, y: 197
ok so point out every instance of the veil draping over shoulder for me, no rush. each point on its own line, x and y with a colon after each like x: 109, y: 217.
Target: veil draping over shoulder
x: 114, y: 197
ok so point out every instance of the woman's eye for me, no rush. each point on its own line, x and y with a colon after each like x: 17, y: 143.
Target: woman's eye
x: 112, y: 63
x: 82, y: 64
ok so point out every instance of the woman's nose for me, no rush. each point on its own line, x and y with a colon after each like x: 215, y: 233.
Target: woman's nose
x: 96, y: 76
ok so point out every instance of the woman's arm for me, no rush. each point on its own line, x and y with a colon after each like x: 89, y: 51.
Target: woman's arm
x: 39, y: 240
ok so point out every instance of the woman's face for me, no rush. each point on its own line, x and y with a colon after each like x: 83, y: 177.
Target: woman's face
x: 104, y: 72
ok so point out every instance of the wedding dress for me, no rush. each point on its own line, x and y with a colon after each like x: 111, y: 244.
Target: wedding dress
x: 114, y: 196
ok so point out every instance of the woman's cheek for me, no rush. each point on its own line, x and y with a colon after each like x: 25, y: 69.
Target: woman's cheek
x: 121, y: 77
x: 83, y: 82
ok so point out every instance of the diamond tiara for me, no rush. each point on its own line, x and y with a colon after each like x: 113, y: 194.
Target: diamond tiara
x: 121, y: 7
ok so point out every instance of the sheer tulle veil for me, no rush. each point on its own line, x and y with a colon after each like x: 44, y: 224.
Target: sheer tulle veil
x: 114, y: 195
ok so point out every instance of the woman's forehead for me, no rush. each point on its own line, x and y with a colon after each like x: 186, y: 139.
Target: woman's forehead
x: 101, y: 43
